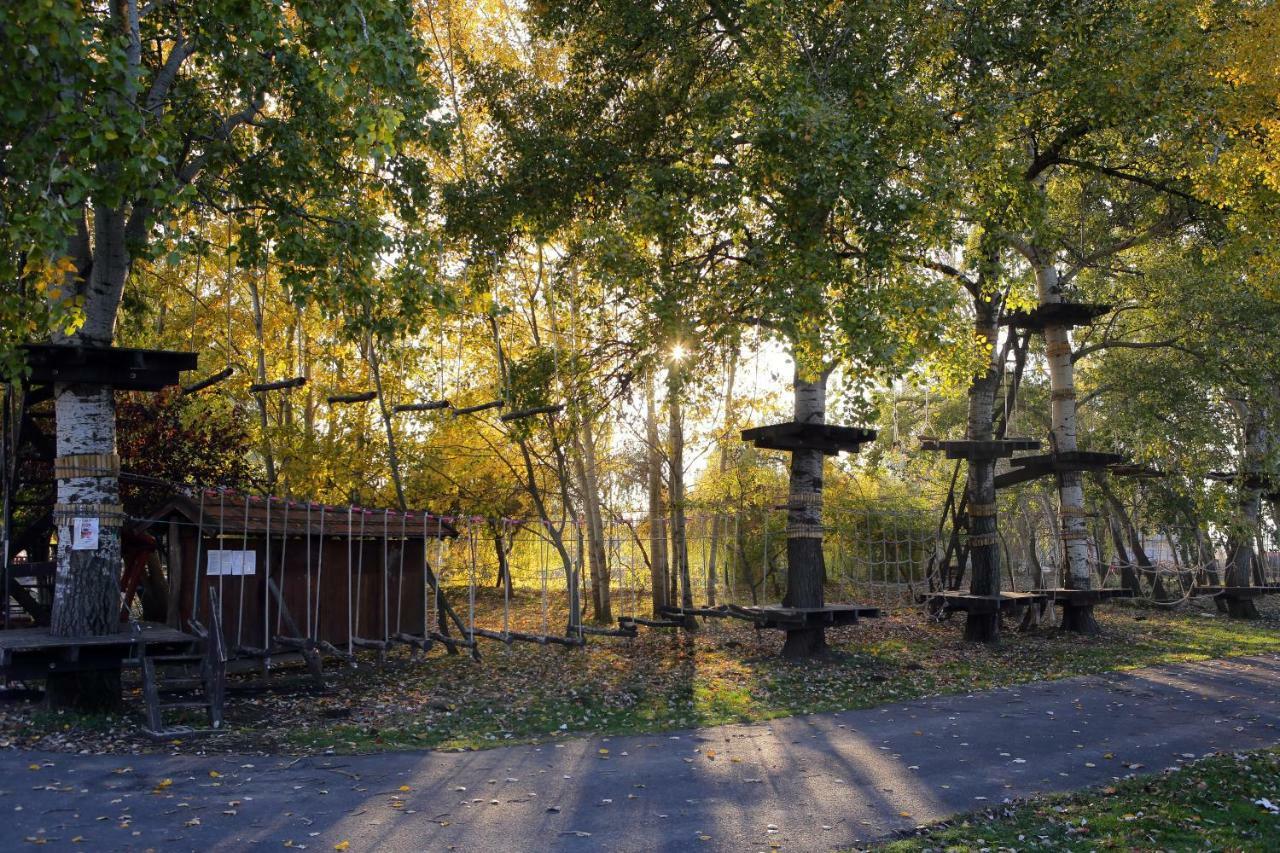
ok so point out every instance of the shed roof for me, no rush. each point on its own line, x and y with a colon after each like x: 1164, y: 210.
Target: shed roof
x: 233, y: 512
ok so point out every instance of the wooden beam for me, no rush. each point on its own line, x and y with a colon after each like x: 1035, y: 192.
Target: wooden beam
x: 278, y: 385
x: 209, y: 381
x: 174, y: 545
x: 344, y: 399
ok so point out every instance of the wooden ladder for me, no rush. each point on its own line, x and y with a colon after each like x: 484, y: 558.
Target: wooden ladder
x: 185, y: 682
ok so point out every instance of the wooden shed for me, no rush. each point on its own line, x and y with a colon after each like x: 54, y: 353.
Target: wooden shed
x: 296, y: 570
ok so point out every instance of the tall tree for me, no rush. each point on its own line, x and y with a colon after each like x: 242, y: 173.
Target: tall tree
x: 1077, y: 155
x: 308, y: 122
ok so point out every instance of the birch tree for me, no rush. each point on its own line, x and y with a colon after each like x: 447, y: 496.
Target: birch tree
x: 304, y: 120
x: 1082, y: 151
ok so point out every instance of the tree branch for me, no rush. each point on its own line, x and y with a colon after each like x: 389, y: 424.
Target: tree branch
x: 1086, y: 351
x: 1161, y: 226
x: 1053, y: 154
x: 1161, y: 186
x: 168, y: 73
x: 222, y: 133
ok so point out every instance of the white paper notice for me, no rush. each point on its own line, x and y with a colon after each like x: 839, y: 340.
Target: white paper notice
x: 237, y: 563
x: 86, y: 535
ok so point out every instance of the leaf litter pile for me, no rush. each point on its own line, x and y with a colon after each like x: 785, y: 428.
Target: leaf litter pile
x: 725, y: 672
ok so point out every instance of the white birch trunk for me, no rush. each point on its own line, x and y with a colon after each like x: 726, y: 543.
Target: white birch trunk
x: 1062, y: 414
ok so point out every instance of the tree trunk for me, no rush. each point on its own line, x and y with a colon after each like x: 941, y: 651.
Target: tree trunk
x: 1128, y: 577
x: 86, y: 600
x: 384, y: 411
x: 658, y: 567
x: 984, y: 553
x: 1074, y: 531
x: 585, y: 468
x: 718, y: 521
x: 806, y: 569
x: 264, y: 423
x: 1120, y: 521
x: 502, y: 545
x: 676, y: 491
x: 1243, y: 531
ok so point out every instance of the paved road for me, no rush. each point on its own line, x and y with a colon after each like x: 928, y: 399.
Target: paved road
x: 804, y: 783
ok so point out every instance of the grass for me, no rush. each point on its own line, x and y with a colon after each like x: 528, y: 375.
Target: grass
x: 1209, y: 804
x: 725, y: 673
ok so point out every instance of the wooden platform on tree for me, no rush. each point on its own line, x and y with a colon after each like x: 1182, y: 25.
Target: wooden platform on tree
x: 969, y: 603
x: 1236, y: 591
x: 35, y: 652
x: 973, y: 449
x: 792, y: 618
x: 826, y: 438
x: 1068, y: 314
x: 1082, y: 597
x: 1027, y: 468
x: 1249, y: 481
x: 114, y: 367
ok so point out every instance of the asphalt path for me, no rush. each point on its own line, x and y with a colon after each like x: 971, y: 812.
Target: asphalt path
x: 815, y: 782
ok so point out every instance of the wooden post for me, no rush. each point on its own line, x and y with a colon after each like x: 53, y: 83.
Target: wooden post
x: 174, y: 545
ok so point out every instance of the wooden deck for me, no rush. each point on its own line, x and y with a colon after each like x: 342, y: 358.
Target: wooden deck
x: 1081, y: 597
x: 28, y: 639
x: 791, y: 618
x: 969, y: 603
x: 34, y: 652
x: 1236, y: 591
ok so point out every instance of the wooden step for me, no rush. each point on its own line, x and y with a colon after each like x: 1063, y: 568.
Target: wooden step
x: 173, y: 659
x: 173, y: 684
x: 186, y: 705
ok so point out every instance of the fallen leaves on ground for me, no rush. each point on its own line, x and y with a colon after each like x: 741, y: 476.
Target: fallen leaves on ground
x: 725, y: 672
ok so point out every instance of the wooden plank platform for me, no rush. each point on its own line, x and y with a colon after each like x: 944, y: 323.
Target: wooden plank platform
x: 969, y: 603
x: 115, y: 367
x: 1236, y: 591
x: 35, y: 652
x: 1080, y: 597
x: 830, y: 439
x: 973, y: 449
x: 1027, y: 468
x: 1068, y: 314
x: 1249, y: 480
x: 28, y: 639
x: 791, y: 618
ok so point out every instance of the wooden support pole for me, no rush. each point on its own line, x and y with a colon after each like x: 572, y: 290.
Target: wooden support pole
x: 209, y: 381
x: 429, y: 406
x: 479, y: 407
x: 521, y: 414
x: 344, y: 399
x: 278, y: 385
x: 173, y: 543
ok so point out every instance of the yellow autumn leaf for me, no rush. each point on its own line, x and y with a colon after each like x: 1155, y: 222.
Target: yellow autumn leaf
x: 342, y: 845
x: 405, y: 788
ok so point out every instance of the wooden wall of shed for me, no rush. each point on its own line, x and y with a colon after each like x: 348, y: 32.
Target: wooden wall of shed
x: 388, y: 602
